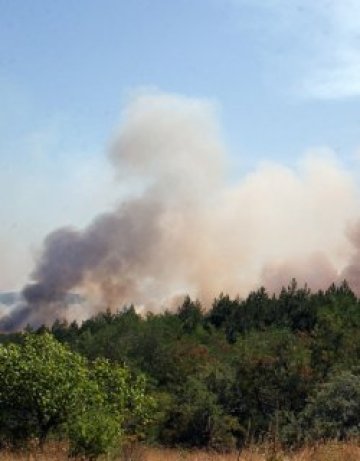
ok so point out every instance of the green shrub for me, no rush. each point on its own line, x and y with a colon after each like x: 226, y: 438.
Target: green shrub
x: 94, y: 433
x: 44, y: 387
x: 332, y: 413
x: 197, y: 420
x: 42, y: 383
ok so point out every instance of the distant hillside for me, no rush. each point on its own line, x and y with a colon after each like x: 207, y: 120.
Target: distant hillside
x: 8, y: 298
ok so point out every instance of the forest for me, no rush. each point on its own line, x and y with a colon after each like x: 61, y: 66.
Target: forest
x: 283, y: 368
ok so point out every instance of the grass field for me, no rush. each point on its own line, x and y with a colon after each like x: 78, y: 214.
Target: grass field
x: 329, y: 452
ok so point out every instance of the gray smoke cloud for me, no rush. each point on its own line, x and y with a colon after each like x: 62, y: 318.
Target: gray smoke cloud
x: 186, y: 228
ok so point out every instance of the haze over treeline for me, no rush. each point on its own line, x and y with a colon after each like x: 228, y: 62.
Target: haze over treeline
x: 188, y: 227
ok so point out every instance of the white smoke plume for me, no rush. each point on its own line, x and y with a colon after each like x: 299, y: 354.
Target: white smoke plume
x: 188, y: 229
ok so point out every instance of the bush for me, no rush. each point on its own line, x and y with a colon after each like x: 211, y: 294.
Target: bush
x: 44, y: 387
x: 94, y: 433
x: 42, y: 383
x: 333, y: 412
x: 197, y: 420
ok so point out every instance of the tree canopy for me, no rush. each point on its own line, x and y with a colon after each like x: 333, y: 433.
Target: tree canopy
x: 244, y: 370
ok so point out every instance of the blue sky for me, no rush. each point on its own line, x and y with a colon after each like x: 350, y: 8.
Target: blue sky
x: 283, y: 74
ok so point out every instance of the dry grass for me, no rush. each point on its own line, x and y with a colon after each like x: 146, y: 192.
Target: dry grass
x: 329, y: 452
x: 52, y: 452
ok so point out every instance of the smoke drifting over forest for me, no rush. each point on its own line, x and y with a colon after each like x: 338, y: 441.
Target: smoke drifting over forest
x: 188, y: 229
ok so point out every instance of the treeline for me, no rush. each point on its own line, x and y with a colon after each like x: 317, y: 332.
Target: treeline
x: 283, y: 368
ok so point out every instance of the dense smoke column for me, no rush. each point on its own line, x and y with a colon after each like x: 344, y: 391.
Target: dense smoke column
x: 114, y: 244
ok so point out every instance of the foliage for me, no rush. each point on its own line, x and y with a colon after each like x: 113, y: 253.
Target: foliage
x: 45, y: 387
x: 42, y: 383
x: 93, y: 433
x: 190, y: 314
x: 196, y: 419
x: 246, y: 370
x: 334, y: 411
